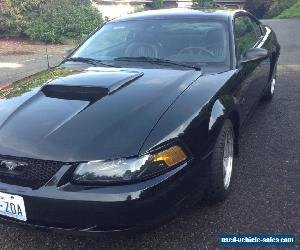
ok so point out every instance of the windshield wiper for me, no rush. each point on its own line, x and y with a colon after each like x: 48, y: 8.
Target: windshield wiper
x: 87, y: 60
x: 156, y: 61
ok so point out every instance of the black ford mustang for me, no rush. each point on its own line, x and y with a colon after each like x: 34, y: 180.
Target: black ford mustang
x: 140, y: 119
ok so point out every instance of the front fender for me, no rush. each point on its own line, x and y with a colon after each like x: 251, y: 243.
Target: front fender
x: 195, y: 117
x: 225, y: 107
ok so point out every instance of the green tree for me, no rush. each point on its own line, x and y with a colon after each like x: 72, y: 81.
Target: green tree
x: 278, y: 6
x: 258, y: 7
x: 292, y: 12
x: 157, y: 4
x: 200, y: 4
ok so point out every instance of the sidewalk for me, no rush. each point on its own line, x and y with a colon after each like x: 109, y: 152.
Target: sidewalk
x: 21, y: 58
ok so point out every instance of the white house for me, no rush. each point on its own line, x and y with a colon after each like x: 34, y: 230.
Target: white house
x: 116, y: 8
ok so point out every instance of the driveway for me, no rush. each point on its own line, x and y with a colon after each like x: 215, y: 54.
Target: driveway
x: 266, y: 195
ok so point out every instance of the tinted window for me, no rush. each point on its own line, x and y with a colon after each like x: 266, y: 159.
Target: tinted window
x: 245, y: 35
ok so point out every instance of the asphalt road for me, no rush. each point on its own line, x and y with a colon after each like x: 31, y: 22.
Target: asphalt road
x: 266, y: 196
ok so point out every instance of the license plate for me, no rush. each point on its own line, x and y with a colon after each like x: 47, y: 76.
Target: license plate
x: 12, y: 206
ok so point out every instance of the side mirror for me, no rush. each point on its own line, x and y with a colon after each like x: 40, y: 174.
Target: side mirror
x: 254, y: 54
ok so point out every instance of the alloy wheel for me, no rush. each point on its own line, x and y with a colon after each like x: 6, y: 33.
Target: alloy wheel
x: 228, y: 158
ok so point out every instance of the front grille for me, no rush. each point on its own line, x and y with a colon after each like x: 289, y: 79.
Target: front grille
x: 29, y: 172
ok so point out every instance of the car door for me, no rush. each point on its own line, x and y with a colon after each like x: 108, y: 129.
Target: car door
x: 253, y: 75
x: 264, y: 66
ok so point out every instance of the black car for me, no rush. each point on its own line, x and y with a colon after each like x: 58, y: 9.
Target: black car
x: 141, y: 119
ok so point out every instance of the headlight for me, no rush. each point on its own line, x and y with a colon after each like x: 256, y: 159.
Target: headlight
x: 123, y: 170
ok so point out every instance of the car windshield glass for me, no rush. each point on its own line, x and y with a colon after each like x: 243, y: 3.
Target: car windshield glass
x: 190, y: 41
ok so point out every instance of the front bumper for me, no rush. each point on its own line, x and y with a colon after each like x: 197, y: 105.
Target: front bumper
x: 132, y: 207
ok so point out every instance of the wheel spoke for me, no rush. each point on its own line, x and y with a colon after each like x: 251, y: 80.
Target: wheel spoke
x: 273, y: 83
x: 228, y: 158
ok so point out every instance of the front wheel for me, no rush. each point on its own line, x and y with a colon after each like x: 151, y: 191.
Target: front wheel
x: 268, y: 95
x: 270, y: 91
x: 221, y: 165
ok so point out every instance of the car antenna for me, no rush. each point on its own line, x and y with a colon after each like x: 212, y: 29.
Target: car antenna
x: 48, y: 64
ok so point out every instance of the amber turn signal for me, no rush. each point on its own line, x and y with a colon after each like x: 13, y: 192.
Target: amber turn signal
x: 171, y: 156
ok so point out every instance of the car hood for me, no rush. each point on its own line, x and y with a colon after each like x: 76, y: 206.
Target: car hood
x: 82, y: 114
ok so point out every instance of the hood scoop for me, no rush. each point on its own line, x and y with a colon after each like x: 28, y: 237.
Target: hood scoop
x: 89, y: 85
x: 81, y: 93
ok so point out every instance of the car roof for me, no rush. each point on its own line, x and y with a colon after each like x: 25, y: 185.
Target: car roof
x: 180, y: 13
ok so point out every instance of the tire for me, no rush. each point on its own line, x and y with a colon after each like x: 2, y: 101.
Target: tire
x: 221, y: 165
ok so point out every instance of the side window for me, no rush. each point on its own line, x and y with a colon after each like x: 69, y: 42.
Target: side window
x: 245, y: 35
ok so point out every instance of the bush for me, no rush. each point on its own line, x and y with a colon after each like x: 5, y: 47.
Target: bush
x: 138, y: 8
x: 278, y: 7
x: 201, y: 4
x: 53, y: 20
x: 293, y: 11
x: 8, y: 27
x: 7, y: 23
x: 14, y: 14
x: 157, y: 4
x: 59, y: 20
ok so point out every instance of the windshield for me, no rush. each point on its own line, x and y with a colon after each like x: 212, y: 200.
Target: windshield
x: 190, y: 41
